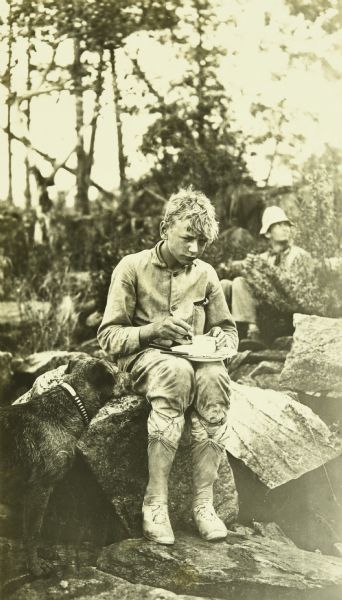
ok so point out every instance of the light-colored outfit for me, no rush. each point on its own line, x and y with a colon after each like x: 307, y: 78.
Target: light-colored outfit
x: 143, y: 289
x: 238, y: 293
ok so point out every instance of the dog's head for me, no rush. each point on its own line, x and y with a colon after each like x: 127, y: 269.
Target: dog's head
x: 90, y: 373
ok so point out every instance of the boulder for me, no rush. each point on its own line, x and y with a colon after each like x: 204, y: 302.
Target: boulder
x: 243, y: 566
x: 5, y: 376
x: 89, y: 583
x: 265, y: 375
x: 269, y: 355
x: 283, y: 343
x: 38, y: 363
x: 308, y: 509
x: 314, y: 363
x: 276, y: 437
x: 115, y: 448
x: 13, y: 570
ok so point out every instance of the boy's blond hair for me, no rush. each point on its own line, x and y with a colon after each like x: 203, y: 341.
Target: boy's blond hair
x: 195, y: 206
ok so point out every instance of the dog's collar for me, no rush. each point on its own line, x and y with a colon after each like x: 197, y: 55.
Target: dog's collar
x: 68, y: 388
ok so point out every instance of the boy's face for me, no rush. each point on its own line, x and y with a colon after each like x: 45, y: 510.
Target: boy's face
x: 182, y: 244
x: 279, y: 232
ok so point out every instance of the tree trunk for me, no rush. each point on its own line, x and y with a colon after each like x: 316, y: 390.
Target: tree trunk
x: 9, y: 105
x: 201, y: 76
x: 116, y: 91
x: 82, y: 200
x: 28, y: 119
x: 97, y: 109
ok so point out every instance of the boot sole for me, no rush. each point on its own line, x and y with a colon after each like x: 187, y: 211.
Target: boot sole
x: 215, y: 538
x: 163, y: 541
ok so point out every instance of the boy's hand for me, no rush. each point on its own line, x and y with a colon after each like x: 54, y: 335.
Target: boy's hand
x: 220, y: 336
x: 172, y: 328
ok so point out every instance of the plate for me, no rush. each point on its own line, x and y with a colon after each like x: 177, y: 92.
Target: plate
x: 212, y: 357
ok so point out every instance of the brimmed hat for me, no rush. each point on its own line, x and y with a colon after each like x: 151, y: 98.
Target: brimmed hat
x: 271, y: 216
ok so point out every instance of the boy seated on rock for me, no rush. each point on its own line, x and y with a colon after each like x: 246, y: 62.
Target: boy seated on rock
x: 282, y: 254
x: 165, y: 295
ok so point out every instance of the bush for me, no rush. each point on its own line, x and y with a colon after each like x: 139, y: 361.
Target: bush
x: 49, y: 303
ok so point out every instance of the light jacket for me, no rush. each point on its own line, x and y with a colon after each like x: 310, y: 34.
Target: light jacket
x: 143, y: 290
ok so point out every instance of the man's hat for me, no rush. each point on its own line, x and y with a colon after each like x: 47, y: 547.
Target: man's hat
x: 271, y: 216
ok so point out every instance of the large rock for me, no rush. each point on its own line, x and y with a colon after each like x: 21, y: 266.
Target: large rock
x: 89, y: 583
x: 115, y: 448
x: 40, y: 362
x: 13, y: 570
x: 314, y: 363
x: 308, y: 509
x: 244, y: 566
x: 276, y: 437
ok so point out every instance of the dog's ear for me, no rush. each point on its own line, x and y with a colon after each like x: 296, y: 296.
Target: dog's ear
x: 71, y: 365
x: 100, y: 373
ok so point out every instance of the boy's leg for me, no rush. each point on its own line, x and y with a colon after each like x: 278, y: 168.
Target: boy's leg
x: 209, y: 435
x: 168, y: 384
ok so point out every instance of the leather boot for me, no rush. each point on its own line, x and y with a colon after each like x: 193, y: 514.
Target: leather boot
x: 206, y: 457
x: 156, y: 522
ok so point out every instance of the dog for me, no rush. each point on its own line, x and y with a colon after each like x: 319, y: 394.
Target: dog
x: 38, y: 441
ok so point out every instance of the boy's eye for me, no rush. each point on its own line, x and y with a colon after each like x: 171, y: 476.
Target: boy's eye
x: 201, y: 241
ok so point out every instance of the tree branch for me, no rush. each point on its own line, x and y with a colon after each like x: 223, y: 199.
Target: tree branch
x: 56, y: 166
x: 140, y: 73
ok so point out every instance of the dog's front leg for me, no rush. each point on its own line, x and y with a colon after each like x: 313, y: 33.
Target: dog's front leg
x: 35, y: 504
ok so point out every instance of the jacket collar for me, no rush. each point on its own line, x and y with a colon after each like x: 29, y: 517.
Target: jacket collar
x: 156, y: 259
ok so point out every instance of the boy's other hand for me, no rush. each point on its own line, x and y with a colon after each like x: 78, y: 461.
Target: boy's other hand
x: 220, y: 336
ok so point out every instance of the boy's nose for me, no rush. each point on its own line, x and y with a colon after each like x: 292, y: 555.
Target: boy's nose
x: 193, y: 247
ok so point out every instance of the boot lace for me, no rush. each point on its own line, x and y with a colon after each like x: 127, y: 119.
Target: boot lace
x: 159, y: 514
x: 207, y: 512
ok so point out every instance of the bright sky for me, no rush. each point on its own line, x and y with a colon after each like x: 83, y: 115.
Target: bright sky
x: 256, y: 69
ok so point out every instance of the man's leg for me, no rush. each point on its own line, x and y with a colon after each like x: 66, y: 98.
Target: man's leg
x: 243, y: 306
x: 168, y: 384
x: 209, y: 435
x: 227, y: 287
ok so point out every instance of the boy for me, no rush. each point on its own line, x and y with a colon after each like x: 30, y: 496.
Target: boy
x: 165, y: 295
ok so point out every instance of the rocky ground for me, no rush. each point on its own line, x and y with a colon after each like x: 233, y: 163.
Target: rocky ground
x: 283, y: 458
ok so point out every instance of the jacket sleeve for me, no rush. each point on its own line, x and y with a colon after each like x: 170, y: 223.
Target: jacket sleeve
x: 218, y: 313
x: 116, y: 334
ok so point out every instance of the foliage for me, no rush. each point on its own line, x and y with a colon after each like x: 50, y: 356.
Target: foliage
x: 96, y: 23
x: 191, y: 140
x: 319, y: 228
x: 49, y: 303
x: 109, y: 253
x: 329, y: 10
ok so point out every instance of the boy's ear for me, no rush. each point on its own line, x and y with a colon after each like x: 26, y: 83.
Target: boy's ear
x: 163, y: 230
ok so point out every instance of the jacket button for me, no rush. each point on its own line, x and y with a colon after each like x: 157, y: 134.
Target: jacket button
x: 174, y: 307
